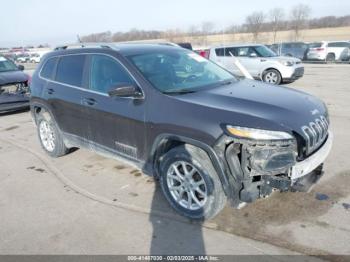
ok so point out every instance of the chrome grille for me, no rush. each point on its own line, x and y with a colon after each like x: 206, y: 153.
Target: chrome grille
x: 315, y: 133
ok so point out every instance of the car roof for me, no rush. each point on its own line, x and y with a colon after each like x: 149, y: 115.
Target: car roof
x: 236, y: 45
x: 123, y: 48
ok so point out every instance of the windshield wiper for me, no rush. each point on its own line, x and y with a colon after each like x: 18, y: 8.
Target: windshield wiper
x: 179, y: 91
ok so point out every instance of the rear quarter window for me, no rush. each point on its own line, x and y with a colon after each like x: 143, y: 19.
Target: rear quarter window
x: 315, y: 45
x: 220, y: 52
x: 70, y: 70
x: 338, y: 44
x: 48, y: 68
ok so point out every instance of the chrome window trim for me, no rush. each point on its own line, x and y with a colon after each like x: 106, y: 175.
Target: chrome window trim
x: 87, y: 89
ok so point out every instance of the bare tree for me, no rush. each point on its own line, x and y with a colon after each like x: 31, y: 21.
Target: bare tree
x: 193, y: 30
x: 98, y: 37
x: 276, y: 18
x: 299, y: 16
x: 207, y: 27
x: 254, y: 23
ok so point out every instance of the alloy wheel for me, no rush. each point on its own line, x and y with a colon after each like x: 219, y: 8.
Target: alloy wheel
x: 186, y: 185
x: 271, y: 77
x: 47, y: 135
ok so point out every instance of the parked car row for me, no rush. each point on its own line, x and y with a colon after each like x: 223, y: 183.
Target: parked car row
x: 325, y: 51
x: 32, y: 58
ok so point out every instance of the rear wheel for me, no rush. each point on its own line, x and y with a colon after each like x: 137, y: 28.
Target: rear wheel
x: 50, y: 136
x: 272, y: 76
x: 190, y: 183
x: 330, y: 58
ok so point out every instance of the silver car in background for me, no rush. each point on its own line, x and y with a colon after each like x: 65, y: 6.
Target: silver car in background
x: 260, y: 61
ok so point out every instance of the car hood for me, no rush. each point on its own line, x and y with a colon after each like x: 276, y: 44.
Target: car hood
x: 255, y: 104
x: 12, y: 77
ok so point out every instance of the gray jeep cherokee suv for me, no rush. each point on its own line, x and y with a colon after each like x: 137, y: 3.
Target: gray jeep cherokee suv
x: 206, y: 136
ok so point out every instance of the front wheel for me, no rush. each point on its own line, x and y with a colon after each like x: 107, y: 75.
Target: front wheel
x: 190, y: 183
x: 272, y: 76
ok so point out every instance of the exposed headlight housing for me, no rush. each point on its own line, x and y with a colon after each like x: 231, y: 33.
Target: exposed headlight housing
x: 258, y: 134
x: 271, y: 160
x: 267, y: 152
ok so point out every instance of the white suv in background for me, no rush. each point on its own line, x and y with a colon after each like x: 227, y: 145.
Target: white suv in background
x: 261, y: 62
x: 328, y: 51
x: 36, y: 58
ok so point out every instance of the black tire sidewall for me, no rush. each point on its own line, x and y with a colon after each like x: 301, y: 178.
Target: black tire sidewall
x: 330, y: 58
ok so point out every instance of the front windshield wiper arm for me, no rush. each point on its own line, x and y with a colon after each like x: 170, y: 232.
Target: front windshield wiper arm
x: 179, y: 91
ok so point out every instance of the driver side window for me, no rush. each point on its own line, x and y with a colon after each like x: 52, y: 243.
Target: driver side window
x: 106, y: 72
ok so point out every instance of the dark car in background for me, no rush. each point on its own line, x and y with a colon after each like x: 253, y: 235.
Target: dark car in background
x: 294, y: 49
x: 205, y: 135
x: 14, y: 86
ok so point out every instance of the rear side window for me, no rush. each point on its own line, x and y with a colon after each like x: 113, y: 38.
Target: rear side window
x: 219, y: 52
x: 48, y: 69
x: 338, y: 44
x: 106, y: 73
x: 70, y: 70
x: 225, y: 51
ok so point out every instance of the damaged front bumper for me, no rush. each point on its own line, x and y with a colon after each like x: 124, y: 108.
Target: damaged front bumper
x: 253, y: 180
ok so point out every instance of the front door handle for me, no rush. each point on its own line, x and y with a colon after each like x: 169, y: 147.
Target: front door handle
x: 50, y: 91
x: 89, y: 101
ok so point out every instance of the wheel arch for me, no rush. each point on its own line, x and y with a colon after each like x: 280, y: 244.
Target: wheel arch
x: 36, y: 107
x: 164, y: 142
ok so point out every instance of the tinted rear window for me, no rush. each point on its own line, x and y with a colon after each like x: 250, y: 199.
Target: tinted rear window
x: 225, y: 51
x: 315, y: 45
x: 70, y: 70
x: 48, y: 68
x: 338, y: 44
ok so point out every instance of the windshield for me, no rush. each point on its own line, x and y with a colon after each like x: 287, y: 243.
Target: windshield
x: 264, y: 51
x: 172, y: 71
x: 7, y: 65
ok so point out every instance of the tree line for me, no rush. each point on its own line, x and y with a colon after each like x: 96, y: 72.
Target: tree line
x: 276, y: 19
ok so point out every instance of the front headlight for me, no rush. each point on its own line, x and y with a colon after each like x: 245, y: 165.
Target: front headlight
x: 286, y: 62
x: 258, y: 134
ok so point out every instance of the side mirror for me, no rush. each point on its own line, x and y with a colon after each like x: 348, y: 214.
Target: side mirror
x: 125, y: 90
x: 20, y: 67
x: 253, y: 55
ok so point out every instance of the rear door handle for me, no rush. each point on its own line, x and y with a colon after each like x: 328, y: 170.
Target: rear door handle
x: 89, y: 101
x: 50, y: 91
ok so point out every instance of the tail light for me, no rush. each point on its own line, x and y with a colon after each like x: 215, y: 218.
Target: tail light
x: 204, y: 53
x: 29, y: 80
x: 319, y: 49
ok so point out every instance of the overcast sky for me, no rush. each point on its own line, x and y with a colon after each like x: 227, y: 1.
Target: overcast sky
x: 59, y: 21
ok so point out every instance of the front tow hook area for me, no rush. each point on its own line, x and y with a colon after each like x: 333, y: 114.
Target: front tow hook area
x: 305, y: 183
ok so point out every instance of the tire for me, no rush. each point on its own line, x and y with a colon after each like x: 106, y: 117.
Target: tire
x: 49, y: 135
x: 330, y: 58
x: 197, y: 162
x: 272, y: 76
